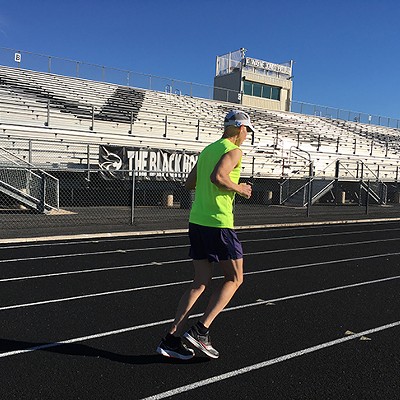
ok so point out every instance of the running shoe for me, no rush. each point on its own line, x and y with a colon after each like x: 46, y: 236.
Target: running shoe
x: 175, y: 349
x: 201, y: 342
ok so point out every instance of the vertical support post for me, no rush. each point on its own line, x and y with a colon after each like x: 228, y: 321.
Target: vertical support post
x: 42, y: 200
x: 198, y: 130
x: 92, y: 127
x: 310, y: 180
x: 47, y: 123
x: 166, y: 126
x: 30, y: 152
x: 336, y: 187
x: 133, y: 198
x: 88, y: 162
x: 309, y: 196
x: 131, y: 124
x: 367, y: 198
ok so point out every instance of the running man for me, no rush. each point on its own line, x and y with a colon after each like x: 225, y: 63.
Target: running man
x: 215, y: 178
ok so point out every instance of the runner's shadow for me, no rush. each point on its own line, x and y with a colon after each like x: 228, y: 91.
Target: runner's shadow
x: 83, y: 350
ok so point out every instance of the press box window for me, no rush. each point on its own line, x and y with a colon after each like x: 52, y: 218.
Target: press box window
x: 248, y: 88
x: 257, y: 88
x: 260, y: 90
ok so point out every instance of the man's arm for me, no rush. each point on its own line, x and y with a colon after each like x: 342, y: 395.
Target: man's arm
x: 220, y: 174
x: 190, y: 183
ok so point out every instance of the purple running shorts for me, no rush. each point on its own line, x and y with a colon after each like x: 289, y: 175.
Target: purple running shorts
x: 214, y: 244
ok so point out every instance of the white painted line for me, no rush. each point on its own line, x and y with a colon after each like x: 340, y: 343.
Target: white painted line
x: 172, y: 231
x: 316, y: 292
x: 87, y: 296
x: 92, y: 241
x: 320, y: 235
x: 324, y: 246
x: 152, y: 264
x: 83, y: 338
x: 264, y: 364
x: 187, y: 245
x: 88, y: 271
x: 94, y: 253
x: 318, y: 223
x: 343, y: 260
x: 91, y: 236
x: 114, y: 292
x: 228, y: 309
x: 161, y: 237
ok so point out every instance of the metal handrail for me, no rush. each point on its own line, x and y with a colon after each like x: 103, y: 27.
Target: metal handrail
x: 317, y: 110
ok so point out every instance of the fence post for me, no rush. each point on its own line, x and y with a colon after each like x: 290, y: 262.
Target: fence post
x: 310, y: 179
x: 88, y: 161
x: 42, y: 200
x: 337, y: 174
x: 367, y: 199
x: 133, y: 198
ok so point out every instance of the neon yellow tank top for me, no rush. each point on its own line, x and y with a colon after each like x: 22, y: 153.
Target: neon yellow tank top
x: 213, y: 206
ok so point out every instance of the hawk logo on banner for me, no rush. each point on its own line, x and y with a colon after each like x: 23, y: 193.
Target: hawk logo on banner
x: 119, y: 162
x: 111, y: 162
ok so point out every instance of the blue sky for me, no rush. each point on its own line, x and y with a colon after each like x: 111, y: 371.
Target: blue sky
x: 346, y: 53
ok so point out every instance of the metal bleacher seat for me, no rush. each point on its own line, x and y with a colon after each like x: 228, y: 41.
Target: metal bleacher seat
x: 47, y: 106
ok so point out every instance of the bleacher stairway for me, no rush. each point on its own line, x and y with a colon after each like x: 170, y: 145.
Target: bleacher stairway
x: 26, y: 185
x: 301, y: 196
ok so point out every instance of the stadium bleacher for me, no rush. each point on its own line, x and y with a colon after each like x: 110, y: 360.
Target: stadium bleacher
x: 72, y: 113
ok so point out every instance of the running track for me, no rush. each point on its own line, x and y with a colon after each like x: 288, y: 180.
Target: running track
x: 318, y: 317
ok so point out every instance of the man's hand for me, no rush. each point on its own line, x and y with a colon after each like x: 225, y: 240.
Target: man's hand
x: 245, y: 190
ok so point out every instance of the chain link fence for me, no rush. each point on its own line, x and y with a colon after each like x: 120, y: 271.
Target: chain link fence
x: 89, y: 202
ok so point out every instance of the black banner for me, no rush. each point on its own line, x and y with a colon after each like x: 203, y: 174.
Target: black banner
x: 118, y: 163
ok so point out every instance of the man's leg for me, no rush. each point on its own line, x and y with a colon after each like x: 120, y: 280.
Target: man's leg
x: 233, y: 272
x: 198, y: 335
x: 202, y: 277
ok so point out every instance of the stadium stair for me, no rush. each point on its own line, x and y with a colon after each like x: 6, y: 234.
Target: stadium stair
x: 319, y: 187
x: 27, y: 186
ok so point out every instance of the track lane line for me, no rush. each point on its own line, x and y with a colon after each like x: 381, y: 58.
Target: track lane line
x: 157, y: 323
x: 119, y: 251
x: 161, y: 232
x: 264, y: 364
x: 123, y: 239
x: 183, y: 260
